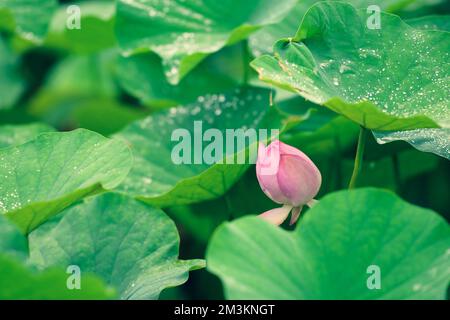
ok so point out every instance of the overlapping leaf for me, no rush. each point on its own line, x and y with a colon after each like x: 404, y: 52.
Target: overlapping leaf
x: 389, y: 79
x: 155, y: 178
x: 436, y: 141
x: 185, y: 32
x: 132, y: 246
x: 43, y: 176
x: 329, y: 254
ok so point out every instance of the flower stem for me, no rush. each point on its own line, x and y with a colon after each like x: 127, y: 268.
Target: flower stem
x: 358, y: 157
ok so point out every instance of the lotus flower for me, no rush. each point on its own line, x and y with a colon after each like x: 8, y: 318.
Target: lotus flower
x: 288, y: 177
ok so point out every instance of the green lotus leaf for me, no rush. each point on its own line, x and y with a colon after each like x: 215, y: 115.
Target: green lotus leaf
x: 436, y: 141
x: 359, y: 244
x: 44, y: 176
x: 18, y: 282
x: 392, y: 78
x: 131, y: 246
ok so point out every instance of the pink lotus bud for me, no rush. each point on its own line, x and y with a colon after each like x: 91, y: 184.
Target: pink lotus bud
x: 287, y: 176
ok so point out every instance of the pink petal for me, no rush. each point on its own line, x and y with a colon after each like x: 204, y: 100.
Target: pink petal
x: 276, y: 216
x: 268, y: 159
x: 261, y: 151
x: 299, y: 179
x: 267, y: 167
x: 286, y: 149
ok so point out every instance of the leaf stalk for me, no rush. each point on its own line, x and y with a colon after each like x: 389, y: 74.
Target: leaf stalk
x: 359, y: 157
